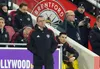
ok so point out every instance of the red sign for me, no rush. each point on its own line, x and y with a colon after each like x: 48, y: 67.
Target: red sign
x: 48, y: 7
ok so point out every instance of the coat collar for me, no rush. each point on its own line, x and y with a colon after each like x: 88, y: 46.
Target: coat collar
x: 37, y: 28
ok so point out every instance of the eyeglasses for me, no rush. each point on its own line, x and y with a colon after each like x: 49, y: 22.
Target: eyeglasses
x: 41, y: 21
x: 71, y: 15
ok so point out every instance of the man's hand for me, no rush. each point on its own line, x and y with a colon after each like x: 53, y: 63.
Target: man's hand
x: 31, y: 66
x: 71, y: 59
x: 81, y: 23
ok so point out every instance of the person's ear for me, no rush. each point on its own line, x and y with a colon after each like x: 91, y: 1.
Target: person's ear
x: 59, y: 37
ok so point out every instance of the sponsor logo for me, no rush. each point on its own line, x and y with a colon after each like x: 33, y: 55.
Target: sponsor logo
x: 51, y: 10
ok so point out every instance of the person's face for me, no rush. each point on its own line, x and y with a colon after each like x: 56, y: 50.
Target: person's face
x: 62, y: 38
x: 2, y: 24
x: 24, y: 9
x: 81, y: 10
x: 26, y: 32
x: 98, y: 23
x: 5, y: 9
x: 71, y: 16
x: 41, y: 22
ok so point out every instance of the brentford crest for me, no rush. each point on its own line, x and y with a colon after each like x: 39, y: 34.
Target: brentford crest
x: 51, y: 10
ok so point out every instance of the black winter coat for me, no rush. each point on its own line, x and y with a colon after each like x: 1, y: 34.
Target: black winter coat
x: 42, y: 44
x: 71, y: 30
x: 95, y: 40
x: 79, y: 16
x: 21, y: 20
x: 84, y: 33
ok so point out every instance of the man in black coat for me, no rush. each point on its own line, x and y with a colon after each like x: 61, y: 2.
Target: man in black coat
x: 84, y: 27
x: 95, y: 36
x: 42, y: 44
x: 80, y: 12
x: 70, y: 26
x: 22, y: 18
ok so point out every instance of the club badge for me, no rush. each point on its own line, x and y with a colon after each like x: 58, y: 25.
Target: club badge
x: 48, y: 36
x: 28, y: 19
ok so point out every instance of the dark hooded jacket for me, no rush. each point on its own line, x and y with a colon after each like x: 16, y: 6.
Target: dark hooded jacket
x: 94, y: 38
x: 79, y: 16
x: 72, y: 30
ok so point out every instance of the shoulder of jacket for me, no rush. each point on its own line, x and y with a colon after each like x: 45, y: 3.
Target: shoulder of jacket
x: 50, y: 30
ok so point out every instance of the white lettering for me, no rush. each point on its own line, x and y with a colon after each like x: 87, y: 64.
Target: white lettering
x: 14, y: 63
x: 9, y: 62
x: 61, y: 14
x: 39, y: 8
x: 36, y: 12
x: 28, y: 64
x: 5, y: 64
x: 46, y: 5
x: 50, y: 4
x: 59, y: 9
x: 19, y: 63
x: 23, y: 64
x: 56, y: 7
x: 2, y: 64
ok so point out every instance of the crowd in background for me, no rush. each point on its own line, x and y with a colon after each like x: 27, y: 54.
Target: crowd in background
x: 76, y: 25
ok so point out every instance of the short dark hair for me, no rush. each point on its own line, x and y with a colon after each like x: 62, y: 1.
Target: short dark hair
x: 62, y: 33
x: 22, y: 4
x: 40, y: 16
x: 97, y: 18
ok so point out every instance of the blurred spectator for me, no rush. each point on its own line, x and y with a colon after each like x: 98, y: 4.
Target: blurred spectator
x: 22, y: 18
x: 84, y: 27
x: 3, y: 1
x: 4, y: 36
x: 70, y: 26
x: 66, y: 48
x: 79, y: 13
x: 95, y: 36
x: 4, y: 14
x: 21, y: 36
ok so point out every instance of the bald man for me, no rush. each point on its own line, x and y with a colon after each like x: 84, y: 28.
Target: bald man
x: 21, y: 36
x: 70, y: 26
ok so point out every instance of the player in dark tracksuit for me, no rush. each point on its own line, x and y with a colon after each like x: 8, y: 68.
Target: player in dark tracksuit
x: 67, y: 48
x: 42, y: 44
x: 22, y: 18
